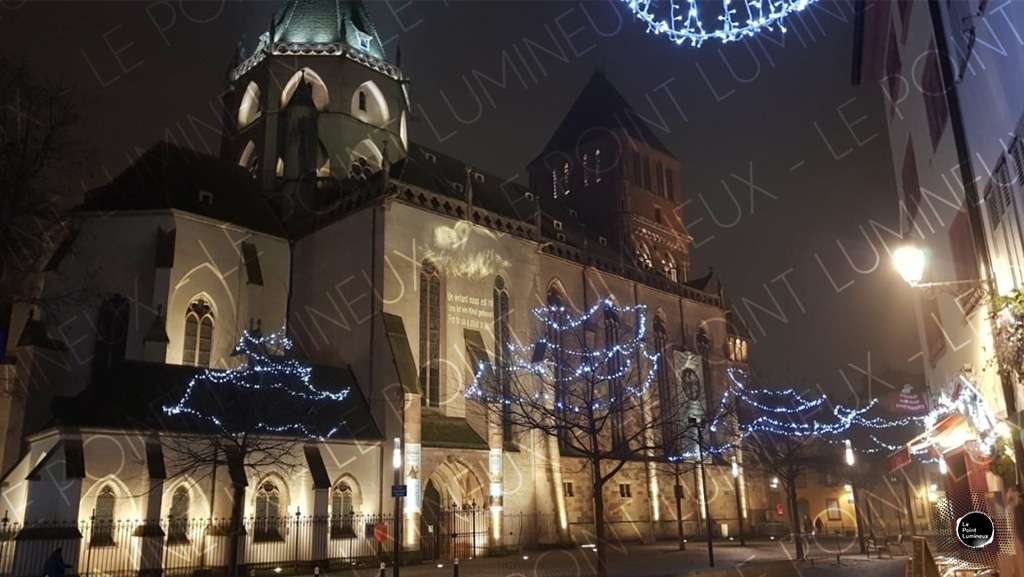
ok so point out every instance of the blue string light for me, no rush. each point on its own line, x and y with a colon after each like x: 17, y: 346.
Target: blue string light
x: 264, y: 370
x: 731, y: 24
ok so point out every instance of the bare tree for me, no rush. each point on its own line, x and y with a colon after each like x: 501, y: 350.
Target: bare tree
x: 588, y: 381
x: 37, y: 149
x: 253, y: 419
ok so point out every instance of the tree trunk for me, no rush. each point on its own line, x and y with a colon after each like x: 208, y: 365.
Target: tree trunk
x: 599, y: 524
x: 235, y: 528
x: 794, y: 515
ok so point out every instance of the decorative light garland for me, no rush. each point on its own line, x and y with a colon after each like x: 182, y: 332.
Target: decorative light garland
x: 731, y: 24
x: 282, y: 375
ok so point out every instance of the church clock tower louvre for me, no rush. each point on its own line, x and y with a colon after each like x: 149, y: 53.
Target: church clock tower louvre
x: 314, y: 106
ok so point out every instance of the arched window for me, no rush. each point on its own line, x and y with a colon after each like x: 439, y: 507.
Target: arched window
x: 177, y: 517
x: 103, y: 518
x: 369, y: 104
x: 321, y: 98
x: 249, y: 160
x: 643, y: 255
x: 250, y: 109
x: 671, y: 414
x: 342, y: 511
x: 198, y: 334
x: 366, y: 158
x: 566, y: 179
x: 502, y: 339
x: 430, y: 334
x: 269, y: 511
x: 557, y: 315
x: 669, y: 267
x: 616, y: 392
x: 111, y: 335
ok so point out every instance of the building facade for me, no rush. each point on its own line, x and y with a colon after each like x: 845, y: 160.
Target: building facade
x: 950, y: 74
x: 393, y: 267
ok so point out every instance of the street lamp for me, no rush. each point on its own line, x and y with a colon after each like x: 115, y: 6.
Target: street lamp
x: 739, y: 502
x: 396, y: 464
x: 699, y: 424
x: 910, y: 261
x: 850, y: 461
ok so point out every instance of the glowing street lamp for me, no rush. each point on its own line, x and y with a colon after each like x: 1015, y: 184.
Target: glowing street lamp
x: 943, y: 468
x: 850, y: 459
x: 396, y: 489
x: 909, y: 261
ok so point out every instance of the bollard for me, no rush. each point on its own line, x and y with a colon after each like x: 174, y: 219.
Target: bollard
x: 316, y: 571
x: 381, y: 569
x: 455, y: 568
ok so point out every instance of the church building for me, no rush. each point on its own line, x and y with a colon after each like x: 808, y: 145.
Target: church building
x: 393, y: 268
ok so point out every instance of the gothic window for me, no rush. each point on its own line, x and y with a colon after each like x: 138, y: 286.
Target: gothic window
x: 666, y: 392
x: 616, y: 391
x: 636, y: 178
x: 321, y: 97
x: 643, y: 256
x: 669, y: 193
x: 249, y: 160
x: 646, y: 167
x: 669, y: 267
x: 369, y: 104
x: 556, y: 315
x: 659, y: 181
x: 342, y: 511
x: 111, y: 335
x: 177, y: 518
x: 703, y: 346
x: 566, y: 179
x: 430, y: 334
x: 268, y: 521
x: 103, y: 518
x: 249, y: 110
x: 502, y: 339
x: 198, y: 334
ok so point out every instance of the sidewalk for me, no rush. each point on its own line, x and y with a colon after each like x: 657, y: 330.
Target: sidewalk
x: 661, y: 560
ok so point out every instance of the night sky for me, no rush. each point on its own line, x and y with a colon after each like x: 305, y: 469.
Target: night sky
x: 786, y: 165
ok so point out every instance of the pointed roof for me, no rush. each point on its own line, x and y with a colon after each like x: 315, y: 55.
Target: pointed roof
x: 601, y: 105
x: 328, y: 22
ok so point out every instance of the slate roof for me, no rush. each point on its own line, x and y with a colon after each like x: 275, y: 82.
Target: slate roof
x: 600, y: 105
x: 326, y: 22
x: 168, y: 176
x: 443, y: 174
x: 134, y: 395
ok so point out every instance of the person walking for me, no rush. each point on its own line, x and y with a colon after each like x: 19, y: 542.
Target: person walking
x: 55, y: 565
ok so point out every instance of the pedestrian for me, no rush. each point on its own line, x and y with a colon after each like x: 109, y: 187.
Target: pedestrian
x: 55, y: 565
x: 818, y: 526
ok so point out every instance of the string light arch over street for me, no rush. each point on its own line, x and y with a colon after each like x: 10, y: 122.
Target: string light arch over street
x: 694, y: 22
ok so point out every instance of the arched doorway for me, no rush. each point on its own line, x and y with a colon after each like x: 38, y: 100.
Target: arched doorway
x: 453, y: 518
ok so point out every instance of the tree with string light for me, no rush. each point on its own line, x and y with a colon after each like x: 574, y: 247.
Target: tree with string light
x: 587, y: 381
x: 254, y: 418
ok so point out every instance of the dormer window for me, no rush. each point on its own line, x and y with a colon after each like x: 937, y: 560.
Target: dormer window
x: 431, y: 157
x: 363, y: 41
x: 603, y: 241
x: 206, y: 197
x: 362, y: 100
x: 558, y: 225
x: 566, y: 179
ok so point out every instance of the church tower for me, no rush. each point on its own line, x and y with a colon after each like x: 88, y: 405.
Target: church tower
x: 605, y: 166
x: 316, y: 105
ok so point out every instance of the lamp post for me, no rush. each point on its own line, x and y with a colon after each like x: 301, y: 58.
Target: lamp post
x: 396, y: 464
x: 851, y: 460
x: 739, y: 503
x: 679, y: 508
x: 699, y: 423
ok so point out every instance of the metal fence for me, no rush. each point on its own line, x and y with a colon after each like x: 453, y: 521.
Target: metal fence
x: 183, y: 547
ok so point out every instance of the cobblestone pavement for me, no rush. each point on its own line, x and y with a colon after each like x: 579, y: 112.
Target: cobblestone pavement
x: 662, y: 560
